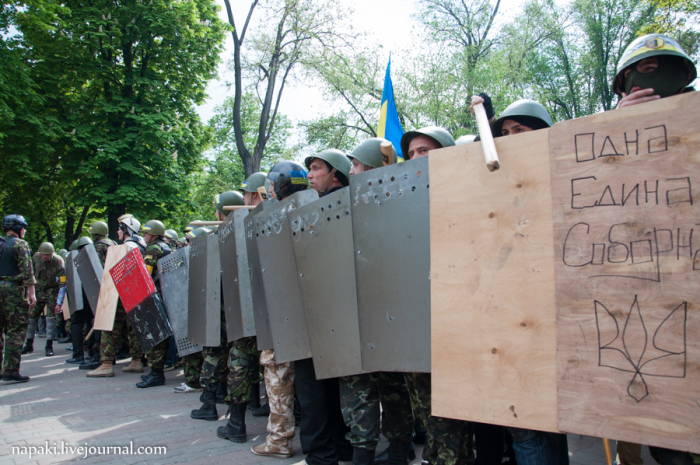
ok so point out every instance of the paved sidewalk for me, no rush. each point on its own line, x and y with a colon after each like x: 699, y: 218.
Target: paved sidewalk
x: 63, y: 407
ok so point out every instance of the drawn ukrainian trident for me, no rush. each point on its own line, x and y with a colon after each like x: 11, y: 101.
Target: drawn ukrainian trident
x: 650, y: 343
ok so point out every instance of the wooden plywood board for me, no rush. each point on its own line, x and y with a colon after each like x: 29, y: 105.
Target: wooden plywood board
x: 625, y: 189
x: 492, y: 284
x: 107, y: 301
x: 66, y: 308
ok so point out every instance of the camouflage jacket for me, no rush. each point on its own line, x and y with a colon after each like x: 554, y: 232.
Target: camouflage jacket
x: 154, y: 252
x: 48, y: 274
x: 23, y: 255
x: 102, y: 243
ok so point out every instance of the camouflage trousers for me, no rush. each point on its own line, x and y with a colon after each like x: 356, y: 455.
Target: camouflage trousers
x: 447, y: 442
x: 156, y: 356
x: 214, y: 364
x: 360, y: 396
x: 243, y: 369
x: 13, y: 321
x: 44, y: 299
x: 110, y: 339
x: 279, y: 384
x: 192, y: 368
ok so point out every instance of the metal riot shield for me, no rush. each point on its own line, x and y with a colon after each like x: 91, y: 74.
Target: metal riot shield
x: 204, y: 299
x: 235, y: 279
x: 323, y: 247
x: 90, y: 271
x: 74, y: 287
x: 262, y: 327
x: 390, y: 222
x: 142, y: 303
x: 285, y: 307
x: 174, y: 271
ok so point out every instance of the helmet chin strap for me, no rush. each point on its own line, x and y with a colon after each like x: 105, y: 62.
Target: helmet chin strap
x: 329, y: 180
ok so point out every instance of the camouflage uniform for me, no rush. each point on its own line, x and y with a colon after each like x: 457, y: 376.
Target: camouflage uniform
x: 156, y: 356
x: 446, y: 441
x: 14, y: 308
x: 243, y: 370
x: 214, y: 360
x: 192, y: 368
x: 109, y: 339
x: 359, y: 399
x: 279, y: 384
x: 48, y: 281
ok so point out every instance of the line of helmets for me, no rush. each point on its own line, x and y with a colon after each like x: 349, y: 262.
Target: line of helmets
x: 673, y: 75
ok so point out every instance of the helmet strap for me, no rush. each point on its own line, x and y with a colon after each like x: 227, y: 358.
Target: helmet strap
x: 329, y: 180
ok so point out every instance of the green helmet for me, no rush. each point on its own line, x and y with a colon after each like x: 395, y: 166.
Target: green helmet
x: 198, y: 232
x: 254, y: 181
x: 83, y: 241
x: 651, y: 45
x: 226, y: 199
x: 182, y: 241
x: 154, y: 228
x: 189, y: 228
x: 62, y: 253
x: 440, y: 135
x: 370, y: 153
x: 73, y: 245
x: 47, y: 248
x: 525, y: 111
x: 98, y: 228
x: 335, y: 158
x: 171, y: 234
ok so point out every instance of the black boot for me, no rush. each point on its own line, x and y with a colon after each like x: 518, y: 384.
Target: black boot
x: 49, y: 348
x: 383, y: 458
x: 208, y: 409
x: 235, y: 428
x: 28, y: 346
x: 254, y: 397
x: 398, y: 452
x: 362, y: 456
x: 221, y: 393
x: 156, y: 378
x: 263, y: 411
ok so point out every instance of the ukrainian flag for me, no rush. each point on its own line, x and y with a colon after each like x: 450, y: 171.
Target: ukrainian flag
x: 389, y: 124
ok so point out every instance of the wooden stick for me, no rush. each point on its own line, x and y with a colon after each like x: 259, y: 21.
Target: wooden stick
x: 487, y: 144
x: 236, y: 207
x: 608, y: 452
x: 387, y: 153
x: 263, y: 193
x: 89, y: 334
x: 204, y: 223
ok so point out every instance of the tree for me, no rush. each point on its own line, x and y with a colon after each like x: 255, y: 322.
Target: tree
x: 292, y: 34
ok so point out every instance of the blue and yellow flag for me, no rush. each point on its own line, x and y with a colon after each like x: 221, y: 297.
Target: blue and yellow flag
x: 389, y: 124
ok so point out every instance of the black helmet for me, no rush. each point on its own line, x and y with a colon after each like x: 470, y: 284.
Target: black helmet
x: 14, y: 223
x: 289, y: 177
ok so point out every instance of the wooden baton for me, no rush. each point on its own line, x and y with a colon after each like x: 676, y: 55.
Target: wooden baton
x: 387, y: 153
x: 236, y: 207
x: 205, y: 223
x: 487, y: 144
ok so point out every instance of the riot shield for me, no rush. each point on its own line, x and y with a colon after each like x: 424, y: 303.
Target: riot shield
x: 323, y: 247
x: 142, y: 303
x: 285, y: 307
x: 74, y: 287
x: 108, y: 299
x: 262, y: 327
x: 235, y: 279
x: 204, y: 297
x: 89, y: 268
x: 390, y: 222
x: 174, y: 271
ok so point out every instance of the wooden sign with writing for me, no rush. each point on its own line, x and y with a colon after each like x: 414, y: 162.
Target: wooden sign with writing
x: 626, y: 205
x: 492, y: 284
x: 107, y: 301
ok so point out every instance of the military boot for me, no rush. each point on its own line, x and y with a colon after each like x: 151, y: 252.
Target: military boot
x: 221, y: 393
x: 105, y: 370
x: 397, y: 452
x: 235, y: 428
x: 134, y: 367
x: 362, y: 456
x: 28, y: 346
x: 254, y: 396
x: 156, y: 378
x: 49, y: 348
x: 208, y: 409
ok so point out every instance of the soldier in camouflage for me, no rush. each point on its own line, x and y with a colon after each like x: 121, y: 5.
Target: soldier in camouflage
x: 17, y: 293
x: 50, y: 274
x: 153, y: 232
